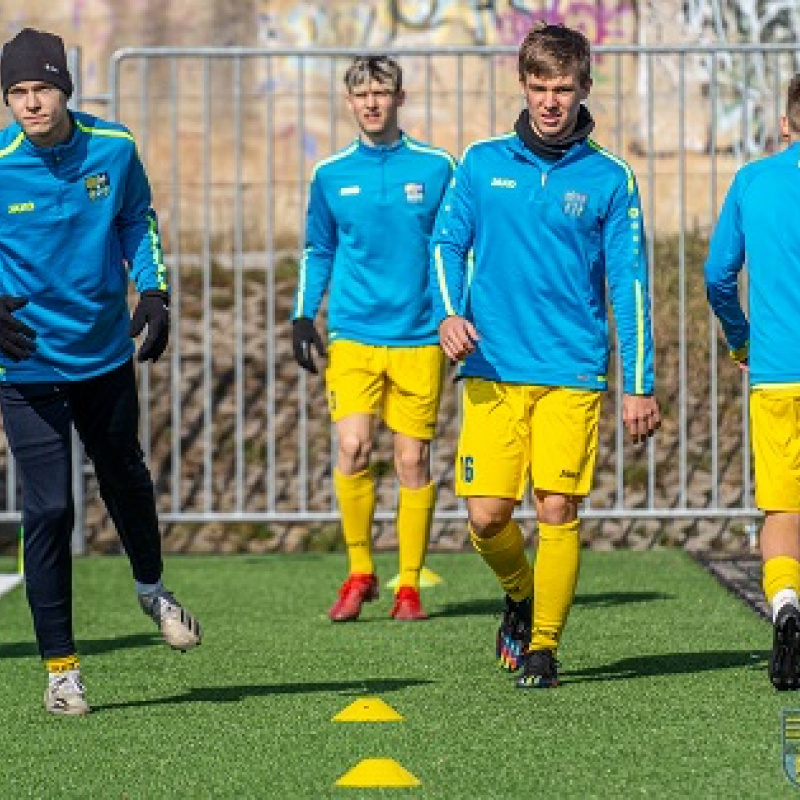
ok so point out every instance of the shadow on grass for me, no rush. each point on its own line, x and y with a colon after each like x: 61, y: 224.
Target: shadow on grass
x: 668, y: 664
x: 607, y: 599
x: 470, y: 608
x: 85, y: 646
x: 236, y: 694
x: 494, y: 606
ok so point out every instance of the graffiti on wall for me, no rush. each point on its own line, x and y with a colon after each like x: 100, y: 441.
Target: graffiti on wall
x: 359, y: 24
x: 743, y: 86
x: 392, y: 23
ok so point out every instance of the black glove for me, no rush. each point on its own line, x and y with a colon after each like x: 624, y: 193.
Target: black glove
x: 304, y: 334
x: 17, y: 340
x: 153, y: 311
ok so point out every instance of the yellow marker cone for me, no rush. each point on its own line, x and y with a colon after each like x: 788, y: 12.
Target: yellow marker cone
x: 377, y: 772
x: 368, y: 709
x: 427, y: 578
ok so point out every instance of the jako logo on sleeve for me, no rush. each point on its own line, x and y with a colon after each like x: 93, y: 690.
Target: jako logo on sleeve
x: 504, y: 183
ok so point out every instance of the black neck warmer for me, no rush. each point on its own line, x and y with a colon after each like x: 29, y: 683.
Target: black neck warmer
x: 552, y: 151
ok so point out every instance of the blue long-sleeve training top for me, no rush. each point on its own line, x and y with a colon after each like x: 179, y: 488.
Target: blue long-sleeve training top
x: 71, y: 217
x: 758, y: 223
x: 546, y: 238
x: 370, y: 215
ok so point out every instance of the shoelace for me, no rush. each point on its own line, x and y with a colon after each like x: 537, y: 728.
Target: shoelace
x: 68, y: 681
x: 161, y: 603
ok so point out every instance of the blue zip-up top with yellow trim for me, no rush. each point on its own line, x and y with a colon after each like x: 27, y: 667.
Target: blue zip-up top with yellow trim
x: 370, y: 214
x: 757, y: 224
x: 547, y: 237
x: 75, y: 221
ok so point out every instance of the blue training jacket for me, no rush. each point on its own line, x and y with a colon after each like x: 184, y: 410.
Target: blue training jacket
x: 757, y: 223
x: 545, y: 236
x: 370, y: 215
x: 71, y: 216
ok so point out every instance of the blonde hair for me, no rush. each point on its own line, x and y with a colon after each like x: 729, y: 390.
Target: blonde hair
x: 549, y: 51
x: 374, y: 68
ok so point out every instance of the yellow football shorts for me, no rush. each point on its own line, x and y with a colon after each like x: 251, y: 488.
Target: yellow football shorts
x: 402, y: 385
x: 775, y: 433
x: 512, y: 433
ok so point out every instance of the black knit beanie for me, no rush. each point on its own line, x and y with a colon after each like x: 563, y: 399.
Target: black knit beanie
x: 34, y: 56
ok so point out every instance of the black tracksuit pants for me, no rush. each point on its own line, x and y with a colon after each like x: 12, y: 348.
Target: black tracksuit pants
x: 105, y: 413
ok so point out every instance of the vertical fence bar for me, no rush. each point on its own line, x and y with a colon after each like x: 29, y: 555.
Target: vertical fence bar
x: 302, y: 428
x: 650, y: 218
x: 238, y: 267
x: 78, y: 492
x: 619, y: 430
x: 712, y: 321
x: 683, y: 401
x: 428, y: 100
x: 271, y: 470
x: 647, y: 243
x: 459, y: 106
x: 746, y: 477
x: 208, y: 386
x: 333, y: 502
x: 492, y: 95
x: 176, y: 343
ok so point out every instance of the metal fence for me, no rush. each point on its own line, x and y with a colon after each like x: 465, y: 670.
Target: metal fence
x: 235, y: 433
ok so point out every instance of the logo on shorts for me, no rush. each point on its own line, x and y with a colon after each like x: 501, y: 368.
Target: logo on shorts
x: 98, y: 186
x: 415, y: 192
x: 790, y: 739
x: 565, y: 473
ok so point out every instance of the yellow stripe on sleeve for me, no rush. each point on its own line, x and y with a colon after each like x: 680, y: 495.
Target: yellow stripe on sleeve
x: 639, y: 338
x: 448, y: 305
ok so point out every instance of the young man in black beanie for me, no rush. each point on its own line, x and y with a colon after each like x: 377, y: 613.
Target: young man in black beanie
x: 74, y: 211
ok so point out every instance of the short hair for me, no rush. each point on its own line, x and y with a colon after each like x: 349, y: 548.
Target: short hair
x: 793, y: 104
x: 374, y: 68
x: 553, y: 50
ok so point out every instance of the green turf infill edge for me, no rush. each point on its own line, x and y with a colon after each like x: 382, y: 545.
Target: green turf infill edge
x: 740, y: 574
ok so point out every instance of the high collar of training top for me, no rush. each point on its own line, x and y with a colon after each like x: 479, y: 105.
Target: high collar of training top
x: 550, y: 150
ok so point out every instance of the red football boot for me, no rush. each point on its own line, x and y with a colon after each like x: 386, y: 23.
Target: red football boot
x: 407, y: 604
x: 357, y: 589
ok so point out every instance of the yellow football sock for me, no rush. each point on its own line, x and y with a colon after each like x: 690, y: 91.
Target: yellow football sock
x: 781, y: 572
x: 356, y: 496
x: 62, y: 663
x: 414, y: 516
x: 555, y: 572
x: 505, y: 554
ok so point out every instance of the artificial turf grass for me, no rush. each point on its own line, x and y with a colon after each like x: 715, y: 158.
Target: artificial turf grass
x: 664, y: 688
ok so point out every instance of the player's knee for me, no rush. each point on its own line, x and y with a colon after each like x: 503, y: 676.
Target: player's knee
x: 487, y: 521
x: 354, y: 452
x: 556, y: 509
x: 412, y: 466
